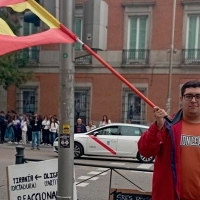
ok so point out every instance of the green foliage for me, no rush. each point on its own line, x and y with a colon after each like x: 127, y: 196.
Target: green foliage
x: 11, y: 64
x: 10, y: 73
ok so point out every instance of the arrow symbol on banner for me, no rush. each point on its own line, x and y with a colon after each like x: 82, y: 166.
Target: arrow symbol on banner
x: 36, y: 177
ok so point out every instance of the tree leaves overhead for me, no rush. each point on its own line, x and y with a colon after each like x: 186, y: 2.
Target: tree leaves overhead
x: 10, y: 73
x: 11, y: 65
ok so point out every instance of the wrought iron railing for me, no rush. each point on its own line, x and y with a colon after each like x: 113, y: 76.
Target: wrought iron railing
x: 31, y: 55
x: 85, y: 60
x: 135, y: 56
x: 191, y: 56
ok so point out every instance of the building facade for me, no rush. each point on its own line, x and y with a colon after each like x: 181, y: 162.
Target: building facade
x: 138, y: 46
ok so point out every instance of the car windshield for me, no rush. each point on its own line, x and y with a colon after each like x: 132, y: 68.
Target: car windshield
x: 111, y: 130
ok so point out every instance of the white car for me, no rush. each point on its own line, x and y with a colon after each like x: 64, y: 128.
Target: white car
x: 116, y: 140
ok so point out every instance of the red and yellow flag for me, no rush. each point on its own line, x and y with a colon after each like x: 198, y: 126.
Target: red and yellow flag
x: 57, y: 33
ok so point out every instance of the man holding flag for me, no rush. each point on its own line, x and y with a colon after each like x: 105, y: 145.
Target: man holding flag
x: 176, y: 147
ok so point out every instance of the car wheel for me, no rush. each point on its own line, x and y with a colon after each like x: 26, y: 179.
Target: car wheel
x: 143, y: 159
x: 78, y: 150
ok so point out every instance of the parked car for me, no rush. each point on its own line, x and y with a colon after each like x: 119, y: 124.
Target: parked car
x: 116, y: 140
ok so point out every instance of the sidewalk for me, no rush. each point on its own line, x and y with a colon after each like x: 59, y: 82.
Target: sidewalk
x: 28, y: 145
x: 7, y: 157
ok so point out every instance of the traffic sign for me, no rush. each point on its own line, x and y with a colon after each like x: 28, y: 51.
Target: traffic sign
x: 64, y: 141
x: 66, y: 128
x: 36, y: 180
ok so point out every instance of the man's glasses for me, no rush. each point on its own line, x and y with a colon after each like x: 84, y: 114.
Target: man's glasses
x: 189, y: 97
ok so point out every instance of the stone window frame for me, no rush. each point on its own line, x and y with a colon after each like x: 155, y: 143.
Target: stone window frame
x: 138, y: 9
x: 143, y: 88
x: 85, y: 88
x: 190, y: 7
x: 27, y: 86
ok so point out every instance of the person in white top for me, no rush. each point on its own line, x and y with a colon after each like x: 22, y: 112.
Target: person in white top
x: 24, y: 129
x: 52, y: 130
x: 45, y: 130
x: 90, y: 126
x: 104, y: 121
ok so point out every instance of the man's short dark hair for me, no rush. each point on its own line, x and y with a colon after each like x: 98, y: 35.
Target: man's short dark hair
x: 190, y: 84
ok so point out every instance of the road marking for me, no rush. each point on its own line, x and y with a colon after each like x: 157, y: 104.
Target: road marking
x: 86, y: 177
x: 93, y: 172
x: 102, y: 169
x: 94, y: 178
x: 148, y: 173
x: 104, y: 173
x: 115, y: 163
x: 145, y: 166
x: 82, y: 184
x: 83, y: 177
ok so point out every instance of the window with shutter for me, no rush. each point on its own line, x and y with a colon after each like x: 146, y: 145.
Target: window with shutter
x: 32, y: 52
x: 78, y: 32
x: 137, y: 37
x: 137, y: 32
x: 193, y: 39
x: 142, y: 37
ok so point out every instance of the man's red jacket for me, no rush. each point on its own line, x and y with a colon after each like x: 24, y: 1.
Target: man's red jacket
x: 165, y: 145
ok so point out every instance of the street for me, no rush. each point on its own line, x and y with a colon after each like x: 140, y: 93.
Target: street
x: 93, y: 189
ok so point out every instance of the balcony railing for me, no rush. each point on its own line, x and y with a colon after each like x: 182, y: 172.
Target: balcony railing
x: 31, y: 56
x: 191, y: 56
x: 27, y: 56
x: 135, y: 56
x: 85, y: 60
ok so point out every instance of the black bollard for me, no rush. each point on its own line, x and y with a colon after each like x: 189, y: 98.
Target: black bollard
x: 19, y: 157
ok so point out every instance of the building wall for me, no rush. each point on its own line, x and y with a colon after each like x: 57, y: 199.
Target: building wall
x: 3, y: 99
x: 107, y: 93
x: 48, y: 94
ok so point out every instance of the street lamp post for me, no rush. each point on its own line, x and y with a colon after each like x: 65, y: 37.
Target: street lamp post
x: 168, y: 105
x: 66, y: 138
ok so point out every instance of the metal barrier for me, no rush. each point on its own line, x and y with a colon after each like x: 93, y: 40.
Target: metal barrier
x: 20, y: 159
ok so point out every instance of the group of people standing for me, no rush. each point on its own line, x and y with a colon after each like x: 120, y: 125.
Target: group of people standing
x: 80, y: 127
x: 20, y: 129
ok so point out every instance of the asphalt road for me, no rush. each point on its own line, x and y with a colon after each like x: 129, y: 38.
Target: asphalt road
x: 96, y: 188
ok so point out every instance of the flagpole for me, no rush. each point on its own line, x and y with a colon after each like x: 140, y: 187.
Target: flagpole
x: 66, y: 139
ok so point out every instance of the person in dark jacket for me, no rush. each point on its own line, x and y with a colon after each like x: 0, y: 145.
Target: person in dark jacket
x: 36, y: 131
x: 176, y: 146
x: 80, y: 127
